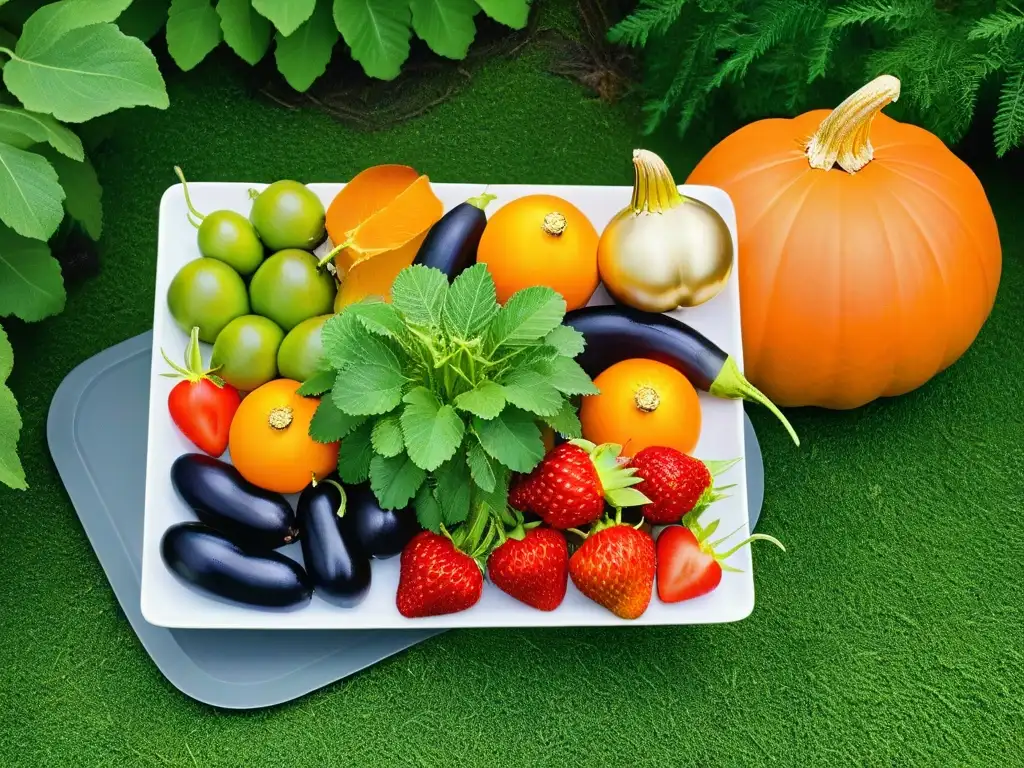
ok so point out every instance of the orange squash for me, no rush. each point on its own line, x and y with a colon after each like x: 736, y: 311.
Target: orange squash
x: 869, y: 257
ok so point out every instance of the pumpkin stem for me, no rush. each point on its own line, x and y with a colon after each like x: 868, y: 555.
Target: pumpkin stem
x: 647, y: 399
x: 554, y: 223
x: 280, y: 418
x: 654, y: 189
x: 844, y: 137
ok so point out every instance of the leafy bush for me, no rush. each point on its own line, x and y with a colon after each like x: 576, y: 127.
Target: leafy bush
x: 69, y: 64
x: 304, y: 32
x: 771, y: 57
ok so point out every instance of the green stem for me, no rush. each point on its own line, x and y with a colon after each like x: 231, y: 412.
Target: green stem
x: 188, y: 199
x: 343, y: 505
x: 332, y: 253
x: 732, y: 384
x: 481, y: 201
x: 8, y: 51
x: 752, y: 537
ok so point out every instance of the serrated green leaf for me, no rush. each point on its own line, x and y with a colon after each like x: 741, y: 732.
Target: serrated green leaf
x: 454, y: 491
x: 31, y: 285
x: 377, y: 32
x: 330, y: 424
x: 497, y: 499
x: 193, y: 30
x: 418, y: 293
x: 485, y: 401
x: 31, y: 198
x: 379, y: 318
x: 6, y: 356
x: 45, y: 28
x: 528, y: 390
x: 529, y: 314
x: 471, y: 303
x: 286, y: 15
x: 512, y: 438
x: 317, y: 384
x: 304, y: 55
x: 511, y: 13
x: 445, y: 25
x: 341, y: 337
x: 22, y: 129
x: 387, y: 436
x: 428, y: 511
x: 355, y: 454
x: 567, y: 340
x: 245, y: 31
x: 482, y: 467
x: 566, y: 422
x: 83, y: 193
x: 144, y: 18
x: 433, y: 432
x: 566, y: 375
x: 374, y: 385
x: 12, y: 474
x: 395, y: 480
x: 93, y: 71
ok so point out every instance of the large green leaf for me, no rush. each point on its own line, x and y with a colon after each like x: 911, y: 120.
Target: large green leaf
x: 287, y: 15
x: 44, y: 29
x: 511, y: 13
x: 378, y: 33
x: 303, y: 56
x: 193, y: 30
x: 91, y: 72
x: 83, y: 194
x: 445, y: 25
x: 512, y: 438
x: 31, y: 285
x: 247, y: 32
x: 144, y: 18
x: 30, y: 196
x: 6, y: 356
x: 11, y: 472
x: 433, y: 432
x: 22, y: 129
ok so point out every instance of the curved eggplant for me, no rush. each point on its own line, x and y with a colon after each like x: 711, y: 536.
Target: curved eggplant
x: 338, y: 567
x: 451, y: 243
x: 205, y: 559
x: 615, y: 333
x: 250, y: 516
x: 381, y: 533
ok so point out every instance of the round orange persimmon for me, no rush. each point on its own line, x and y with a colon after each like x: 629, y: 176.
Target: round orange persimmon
x: 541, y: 240
x: 642, y: 403
x: 270, y: 443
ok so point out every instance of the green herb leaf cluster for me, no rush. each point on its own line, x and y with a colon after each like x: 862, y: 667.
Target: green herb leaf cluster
x: 61, y: 62
x: 781, y: 57
x: 439, y: 395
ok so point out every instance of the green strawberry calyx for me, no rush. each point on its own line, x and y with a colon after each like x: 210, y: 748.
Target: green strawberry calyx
x: 711, y: 494
x: 709, y: 547
x: 193, y: 371
x: 614, y: 473
x: 603, y: 523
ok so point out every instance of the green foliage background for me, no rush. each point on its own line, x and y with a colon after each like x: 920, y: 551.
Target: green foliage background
x: 758, y: 58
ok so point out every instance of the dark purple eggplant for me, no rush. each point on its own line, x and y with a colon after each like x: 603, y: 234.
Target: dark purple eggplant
x: 339, y: 569
x: 616, y: 333
x: 207, y: 560
x: 250, y: 516
x: 381, y: 533
x: 450, y: 245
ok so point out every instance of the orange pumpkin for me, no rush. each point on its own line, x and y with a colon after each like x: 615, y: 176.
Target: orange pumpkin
x: 868, y: 253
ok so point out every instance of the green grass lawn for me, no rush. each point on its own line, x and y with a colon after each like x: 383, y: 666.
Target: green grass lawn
x: 890, y: 634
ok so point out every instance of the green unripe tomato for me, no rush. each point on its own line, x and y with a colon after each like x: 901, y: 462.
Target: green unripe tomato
x: 245, y: 353
x: 288, y: 288
x: 302, y: 350
x: 230, y: 237
x: 288, y: 215
x: 209, y: 294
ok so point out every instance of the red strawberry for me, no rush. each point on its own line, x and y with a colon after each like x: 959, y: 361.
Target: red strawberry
x: 688, y: 566
x: 573, y: 482
x: 534, y: 570
x: 615, y: 567
x: 677, y: 483
x: 436, y: 578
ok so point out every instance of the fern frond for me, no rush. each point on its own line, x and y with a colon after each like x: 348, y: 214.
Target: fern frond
x: 1008, y: 127
x: 651, y: 17
x: 779, y: 21
x: 901, y: 15
x: 820, y: 54
x: 998, y: 26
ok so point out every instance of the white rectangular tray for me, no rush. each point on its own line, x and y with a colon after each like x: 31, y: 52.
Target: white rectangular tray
x: 168, y: 602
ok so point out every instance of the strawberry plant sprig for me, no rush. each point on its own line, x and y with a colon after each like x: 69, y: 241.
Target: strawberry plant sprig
x: 439, y: 395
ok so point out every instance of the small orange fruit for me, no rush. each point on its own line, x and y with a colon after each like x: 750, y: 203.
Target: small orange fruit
x: 642, y: 403
x: 541, y: 240
x: 269, y: 439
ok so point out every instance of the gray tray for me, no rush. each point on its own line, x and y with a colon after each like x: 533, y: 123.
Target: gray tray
x: 96, y: 432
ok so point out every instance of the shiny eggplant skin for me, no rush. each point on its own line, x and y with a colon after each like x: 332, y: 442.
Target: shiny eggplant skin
x: 203, y: 558
x: 339, y: 569
x: 451, y: 243
x: 615, y: 333
x: 250, y: 516
x: 381, y: 533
